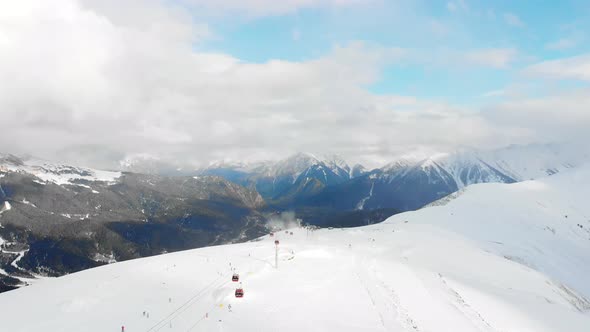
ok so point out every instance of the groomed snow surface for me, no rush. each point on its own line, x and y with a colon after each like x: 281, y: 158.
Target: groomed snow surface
x: 496, y: 258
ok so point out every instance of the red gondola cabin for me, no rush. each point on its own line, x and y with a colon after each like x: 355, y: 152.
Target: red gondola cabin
x: 239, y: 292
x: 235, y: 277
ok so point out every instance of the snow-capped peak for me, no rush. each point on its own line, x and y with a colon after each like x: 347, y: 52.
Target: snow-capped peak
x: 293, y: 165
x: 405, y: 161
x: 56, y: 173
x: 515, y: 163
x: 335, y: 160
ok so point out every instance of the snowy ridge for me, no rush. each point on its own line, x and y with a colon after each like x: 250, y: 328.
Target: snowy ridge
x: 500, y: 257
x: 445, y: 200
x: 56, y: 173
x: 295, y: 165
x: 408, y: 182
x: 506, y: 165
x: 537, y: 160
x: 400, y: 168
x: 542, y: 224
x: 292, y: 166
x: 285, y: 179
x: 468, y: 168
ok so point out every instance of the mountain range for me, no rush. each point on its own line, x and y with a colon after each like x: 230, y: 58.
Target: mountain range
x: 57, y: 219
x: 407, y: 183
x: 492, y: 257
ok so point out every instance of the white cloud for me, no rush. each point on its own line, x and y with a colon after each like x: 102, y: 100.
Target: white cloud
x: 491, y: 57
x: 557, y: 116
x: 577, y: 67
x: 92, y: 82
x: 513, y: 20
x: 77, y: 78
x: 267, y: 7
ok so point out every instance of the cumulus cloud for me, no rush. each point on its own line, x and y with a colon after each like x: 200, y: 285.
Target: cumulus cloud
x: 576, y: 67
x: 94, y: 82
x: 449, y: 59
x: 554, y: 117
x: 492, y: 57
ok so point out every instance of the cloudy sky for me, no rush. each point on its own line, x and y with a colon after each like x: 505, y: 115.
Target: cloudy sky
x: 191, y: 81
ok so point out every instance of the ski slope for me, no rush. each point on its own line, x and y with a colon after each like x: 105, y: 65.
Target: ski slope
x: 493, y: 258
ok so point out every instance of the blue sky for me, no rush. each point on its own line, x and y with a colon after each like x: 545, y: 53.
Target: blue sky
x: 533, y: 30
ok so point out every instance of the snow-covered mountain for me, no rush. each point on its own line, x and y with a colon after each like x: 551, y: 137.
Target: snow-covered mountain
x: 494, y: 257
x: 511, y: 164
x: 408, y: 182
x: 412, y: 181
x: 526, y: 162
x: 284, y: 177
x: 59, y: 174
x: 50, y: 210
x: 57, y: 219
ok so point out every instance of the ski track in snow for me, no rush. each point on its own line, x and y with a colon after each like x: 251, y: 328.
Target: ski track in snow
x: 466, y: 309
x: 402, y: 315
x: 385, y: 300
x: 372, y: 298
x: 443, y: 268
x: 215, y: 284
x: 390, y: 301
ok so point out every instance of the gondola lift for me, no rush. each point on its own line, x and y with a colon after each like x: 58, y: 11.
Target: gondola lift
x: 239, y: 292
x: 235, y: 277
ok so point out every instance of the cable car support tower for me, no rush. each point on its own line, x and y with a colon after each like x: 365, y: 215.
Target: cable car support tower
x: 277, y: 254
